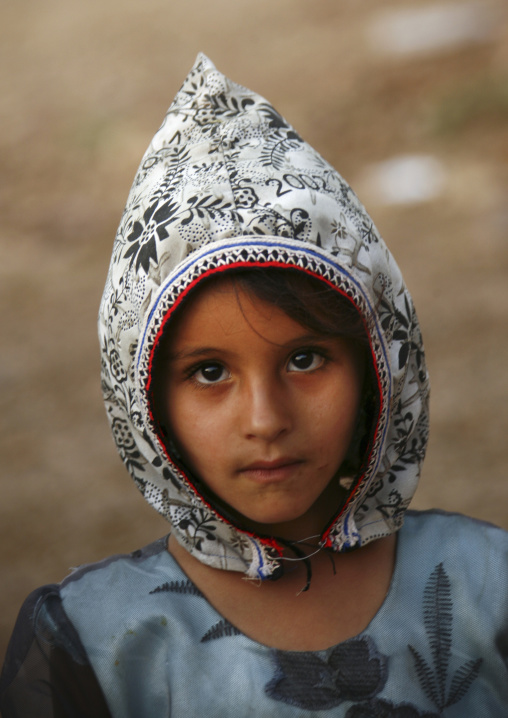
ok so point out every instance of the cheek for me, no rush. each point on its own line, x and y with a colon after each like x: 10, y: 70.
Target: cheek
x: 340, y: 409
x: 199, y: 431
x: 183, y: 420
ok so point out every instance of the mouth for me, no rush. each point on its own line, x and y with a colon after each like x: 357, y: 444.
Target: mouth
x: 271, y: 471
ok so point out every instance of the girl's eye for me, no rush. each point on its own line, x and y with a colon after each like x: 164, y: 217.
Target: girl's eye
x: 305, y: 361
x: 210, y: 373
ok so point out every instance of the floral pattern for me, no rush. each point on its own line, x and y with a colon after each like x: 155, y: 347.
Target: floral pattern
x: 352, y: 671
x: 227, y: 182
x: 355, y: 672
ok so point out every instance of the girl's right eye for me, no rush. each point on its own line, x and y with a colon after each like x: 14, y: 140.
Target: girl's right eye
x: 210, y: 373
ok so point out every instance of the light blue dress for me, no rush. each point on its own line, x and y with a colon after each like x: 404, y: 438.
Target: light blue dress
x: 437, y: 647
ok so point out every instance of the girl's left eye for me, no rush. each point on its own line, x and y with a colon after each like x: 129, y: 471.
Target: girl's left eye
x: 305, y: 361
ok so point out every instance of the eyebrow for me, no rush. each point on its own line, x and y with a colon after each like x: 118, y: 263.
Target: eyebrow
x: 193, y: 354
x: 207, y: 351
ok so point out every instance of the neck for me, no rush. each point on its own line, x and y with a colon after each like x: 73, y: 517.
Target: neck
x: 304, y: 531
x: 339, y: 605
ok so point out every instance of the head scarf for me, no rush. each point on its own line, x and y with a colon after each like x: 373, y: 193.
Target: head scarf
x: 225, y: 183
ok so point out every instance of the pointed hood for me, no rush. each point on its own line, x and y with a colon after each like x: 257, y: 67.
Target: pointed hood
x: 227, y: 183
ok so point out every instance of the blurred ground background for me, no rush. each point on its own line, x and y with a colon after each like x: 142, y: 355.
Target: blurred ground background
x: 411, y: 108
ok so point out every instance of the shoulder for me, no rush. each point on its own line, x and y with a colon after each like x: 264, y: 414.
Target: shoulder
x: 43, y: 618
x: 45, y: 605
x: 34, y: 622
x: 472, y: 553
x: 453, y: 528
x: 120, y: 566
x: 112, y: 591
x: 46, y: 663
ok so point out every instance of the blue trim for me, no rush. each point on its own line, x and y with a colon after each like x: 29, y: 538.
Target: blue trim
x: 193, y: 258
x: 348, y: 543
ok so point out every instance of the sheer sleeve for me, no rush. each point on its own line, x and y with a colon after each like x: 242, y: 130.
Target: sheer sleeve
x: 46, y: 672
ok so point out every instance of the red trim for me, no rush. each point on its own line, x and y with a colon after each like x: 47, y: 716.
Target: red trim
x: 270, y: 542
x: 326, y: 534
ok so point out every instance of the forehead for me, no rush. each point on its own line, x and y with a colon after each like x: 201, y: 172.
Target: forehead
x: 223, y: 310
x: 277, y: 293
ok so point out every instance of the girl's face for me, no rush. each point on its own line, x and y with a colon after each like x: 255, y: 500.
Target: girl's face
x: 262, y: 409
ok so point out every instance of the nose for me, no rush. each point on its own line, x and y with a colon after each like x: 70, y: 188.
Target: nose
x: 265, y: 410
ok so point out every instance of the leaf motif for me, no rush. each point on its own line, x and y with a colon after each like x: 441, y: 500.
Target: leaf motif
x: 402, y: 318
x: 403, y: 355
x: 425, y: 676
x: 165, y: 211
x: 183, y: 587
x: 246, y: 102
x: 437, y: 616
x: 400, y: 335
x: 276, y: 121
x: 146, y: 252
x: 219, y: 630
x: 462, y: 679
x: 385, y: 323
x: 409, y: 311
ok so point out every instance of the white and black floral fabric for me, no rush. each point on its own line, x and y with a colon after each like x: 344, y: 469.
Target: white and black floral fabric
x: 227, y: 182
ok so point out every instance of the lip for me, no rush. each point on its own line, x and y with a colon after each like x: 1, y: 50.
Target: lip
x: 274, y: 471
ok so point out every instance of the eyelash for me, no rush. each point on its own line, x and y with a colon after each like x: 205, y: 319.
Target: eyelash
x: 191, y: 373
x: 320, y: 353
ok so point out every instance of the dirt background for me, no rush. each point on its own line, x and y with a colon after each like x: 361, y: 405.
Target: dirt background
x: 84, y: 85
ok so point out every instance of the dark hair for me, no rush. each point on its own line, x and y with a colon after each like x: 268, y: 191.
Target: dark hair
x: 305, y: 298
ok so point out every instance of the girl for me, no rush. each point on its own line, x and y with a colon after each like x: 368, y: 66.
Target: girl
x: 265, y: 382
